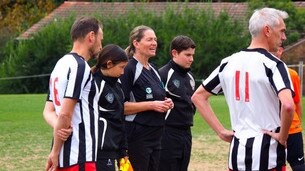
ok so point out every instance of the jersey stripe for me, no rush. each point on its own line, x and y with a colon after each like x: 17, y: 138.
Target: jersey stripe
x: 281, y: 155
x: 102, y: 85
x: 137, y: 74
x: 248, y: 158
x: 282, y: 68
x: 66, y: 152
x: 250, y: 81
x: 170, y: 74
x: 234, y: 153
x: 74, y: 80
x: 79, y: 77
x: 264, y: 153
x: 82, y: 144
x: 93, y: 121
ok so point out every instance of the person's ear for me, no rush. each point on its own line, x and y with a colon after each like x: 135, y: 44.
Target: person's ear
x: 109, y: 64
x: 135, y: 43
x: 91, y: 36
x: 267, y: 30
x: 174, y: 53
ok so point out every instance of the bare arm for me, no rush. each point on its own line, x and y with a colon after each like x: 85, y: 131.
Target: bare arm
x: 63, y: 122
x: 200, y: 99
x: 50, y: 117
x: 287, y: 110
x: 159, y: 106
x: 49, y: 114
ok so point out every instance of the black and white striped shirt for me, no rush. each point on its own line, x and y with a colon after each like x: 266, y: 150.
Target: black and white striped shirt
x: 251, y: 80
x: 71, y: 78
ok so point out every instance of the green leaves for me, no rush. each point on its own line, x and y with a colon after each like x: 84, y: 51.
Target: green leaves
x: 216, y: 36
x: 35, y: 56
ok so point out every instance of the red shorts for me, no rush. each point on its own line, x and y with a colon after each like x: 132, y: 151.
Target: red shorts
x: 89, y: 166
x: 282, y: 169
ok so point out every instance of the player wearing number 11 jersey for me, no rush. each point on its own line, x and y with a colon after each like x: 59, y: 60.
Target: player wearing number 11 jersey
x: 250, y: 81
x: 258, y: 91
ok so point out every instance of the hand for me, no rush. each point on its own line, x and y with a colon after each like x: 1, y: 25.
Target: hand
x: 276, y: 136
x: 163, y: 106
x: 160, y: 106
x: 170, y: 102
x: 52, y: 162
x: 64, y: 134
x: 226, y: 135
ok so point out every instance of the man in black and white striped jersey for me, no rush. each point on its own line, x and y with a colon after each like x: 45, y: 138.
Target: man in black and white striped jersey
x: 72, y: 101
x: 258, y: 90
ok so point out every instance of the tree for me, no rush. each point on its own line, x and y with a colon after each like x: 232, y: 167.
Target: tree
x: 215, y: 36
x: 18, y: 15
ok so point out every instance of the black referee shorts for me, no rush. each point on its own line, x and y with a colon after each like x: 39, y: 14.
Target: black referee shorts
x: 176, y: 149
x: 144, y: 144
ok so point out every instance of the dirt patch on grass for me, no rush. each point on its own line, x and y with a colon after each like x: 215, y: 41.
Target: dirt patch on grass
x: 209, y: 153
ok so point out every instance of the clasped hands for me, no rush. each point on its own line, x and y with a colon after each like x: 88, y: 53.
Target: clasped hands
x: 163, y: 106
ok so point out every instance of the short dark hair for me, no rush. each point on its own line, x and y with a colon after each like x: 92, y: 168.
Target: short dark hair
x: 82, y: 26
x: 111, y: 52
x: 181, y: 42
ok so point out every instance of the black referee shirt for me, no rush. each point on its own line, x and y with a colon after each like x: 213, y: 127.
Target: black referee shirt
x: 111, y: 108
x: 140, y: 84
x: 180, y: 86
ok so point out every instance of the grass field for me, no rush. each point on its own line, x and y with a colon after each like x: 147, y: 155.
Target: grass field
x: 25, y: 138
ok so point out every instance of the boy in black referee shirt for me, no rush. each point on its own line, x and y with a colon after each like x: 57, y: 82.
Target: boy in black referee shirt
x: 179, y: 85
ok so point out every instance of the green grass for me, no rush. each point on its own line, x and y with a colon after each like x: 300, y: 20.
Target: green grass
x: 25, y: 138
x: 220, y: 108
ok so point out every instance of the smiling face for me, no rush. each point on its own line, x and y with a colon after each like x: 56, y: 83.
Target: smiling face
x: 185, y: 58
x: 147, y: 46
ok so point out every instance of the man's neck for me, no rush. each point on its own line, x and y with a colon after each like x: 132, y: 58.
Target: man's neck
x: 81, y: 50
x: 258, y: 43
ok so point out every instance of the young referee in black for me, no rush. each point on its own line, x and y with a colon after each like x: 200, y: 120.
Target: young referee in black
x: 112, y: 143
x: 180, y: 86
x: 146, y: 103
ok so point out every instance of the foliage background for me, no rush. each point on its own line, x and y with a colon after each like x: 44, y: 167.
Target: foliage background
x: 18, y: 15
x: 38, y: 55
x: 215, y: 36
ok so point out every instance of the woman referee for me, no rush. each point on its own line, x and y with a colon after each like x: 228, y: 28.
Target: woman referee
x: 145, y: 104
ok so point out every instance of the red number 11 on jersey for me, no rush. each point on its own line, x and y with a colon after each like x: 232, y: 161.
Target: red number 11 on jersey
x: 237, y: 86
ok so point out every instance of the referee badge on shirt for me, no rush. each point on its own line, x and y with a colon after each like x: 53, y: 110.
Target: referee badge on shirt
x: 110, y: 97
x: 148, y: 93
x: 176, y: 83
